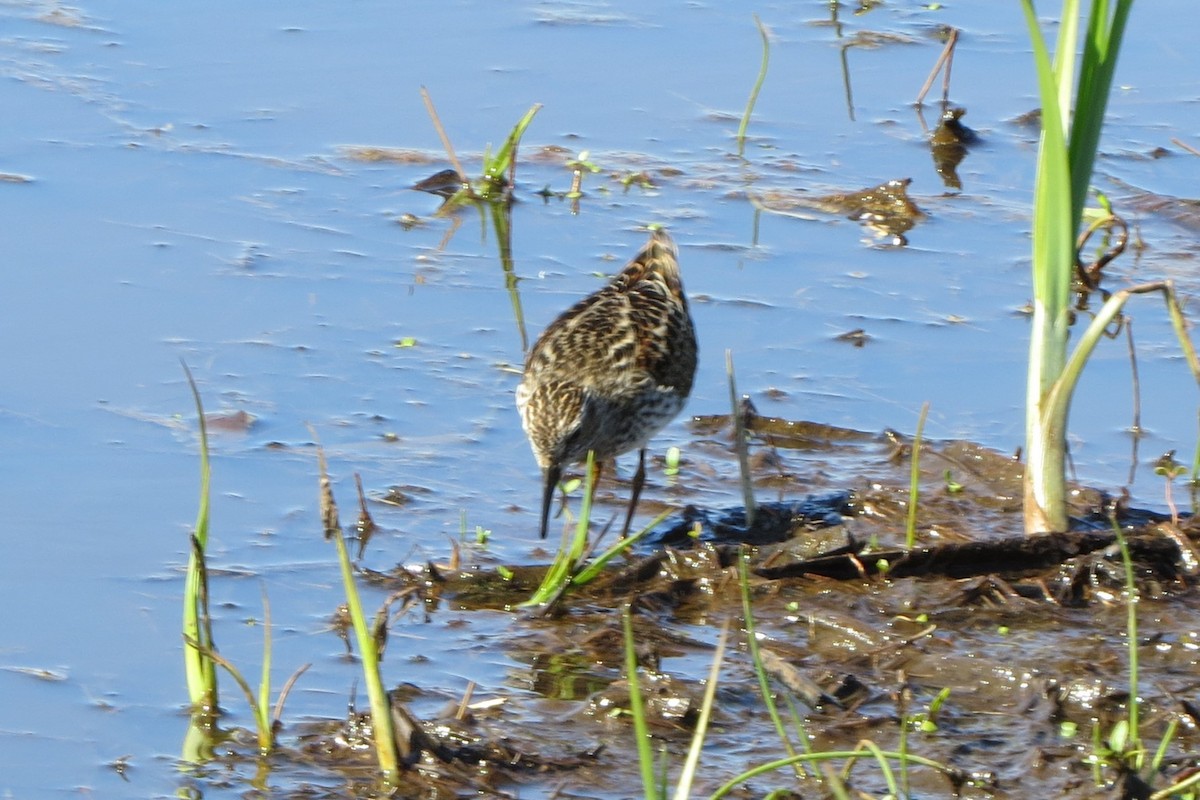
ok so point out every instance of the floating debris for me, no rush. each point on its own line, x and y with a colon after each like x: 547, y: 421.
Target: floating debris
x: 886, y: 209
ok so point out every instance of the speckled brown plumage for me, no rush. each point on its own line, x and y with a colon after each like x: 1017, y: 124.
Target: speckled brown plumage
x: 612, y: 370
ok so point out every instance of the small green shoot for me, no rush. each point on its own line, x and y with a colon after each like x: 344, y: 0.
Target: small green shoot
x: 914, y: 480
x: 672, y: 461
x: 571, y: 550
x: 952, y: 486
x: 758, y: 83
x: 642, y: 180
x: 927, y: 722
x: 1170, y: 469
x: 1125, y: 739
x: 494, y: 185
x: 1194, y: 480
x: 1123, y: 746
x: 266, y: 720
x: 578, y: 166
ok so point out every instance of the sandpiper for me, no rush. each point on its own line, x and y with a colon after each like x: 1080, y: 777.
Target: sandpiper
x: 611, y: 371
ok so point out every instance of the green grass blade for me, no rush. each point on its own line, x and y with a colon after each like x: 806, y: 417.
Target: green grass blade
x: 570, y: 551
x: 740, y: 443
x: 381, y: 717
x: 1132, y: 597
x: 200, y: 671
x: 764, y: 684
x: 758, y: 83
x: 579, y: 542
x: 1164, y: 745
x: 1060, y: 397
x: 637, y: 707
x: 201, y: 527
x: 1102, y: 45
x: 881, y: 759
x: 1065, y: 61
x: 262, y: 708
x: 553, y: 581
x: 828, y: 755
x: 914, y: 480
x: 598, y: 563
x: 496, y: 166
x: 382, y: 725
x: 1053, y: 237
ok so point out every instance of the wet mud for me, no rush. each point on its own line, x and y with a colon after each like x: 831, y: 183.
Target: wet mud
x: 999, y: 656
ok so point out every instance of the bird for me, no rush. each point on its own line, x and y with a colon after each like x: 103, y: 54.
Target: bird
x: 611, y: 371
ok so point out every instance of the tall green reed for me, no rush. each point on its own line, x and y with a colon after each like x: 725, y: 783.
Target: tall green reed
x: 366, y: 636
x: 1071, y: 128
x: 199, y: 667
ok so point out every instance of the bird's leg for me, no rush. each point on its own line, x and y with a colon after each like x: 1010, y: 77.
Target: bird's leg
x: 639, y: 479
x: 553, y: 474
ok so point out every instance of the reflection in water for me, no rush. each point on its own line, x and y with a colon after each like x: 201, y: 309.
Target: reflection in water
x: 948, y: 145
x: 501, y: 214
x: 447, y: 185
x: 862, y: 38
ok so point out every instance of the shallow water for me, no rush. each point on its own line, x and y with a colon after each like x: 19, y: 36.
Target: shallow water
x: 193, y: 194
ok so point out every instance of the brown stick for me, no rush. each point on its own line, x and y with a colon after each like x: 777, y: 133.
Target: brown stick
x: 1187, y: 147
x: 437, y: 124
x: 945, y: 58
